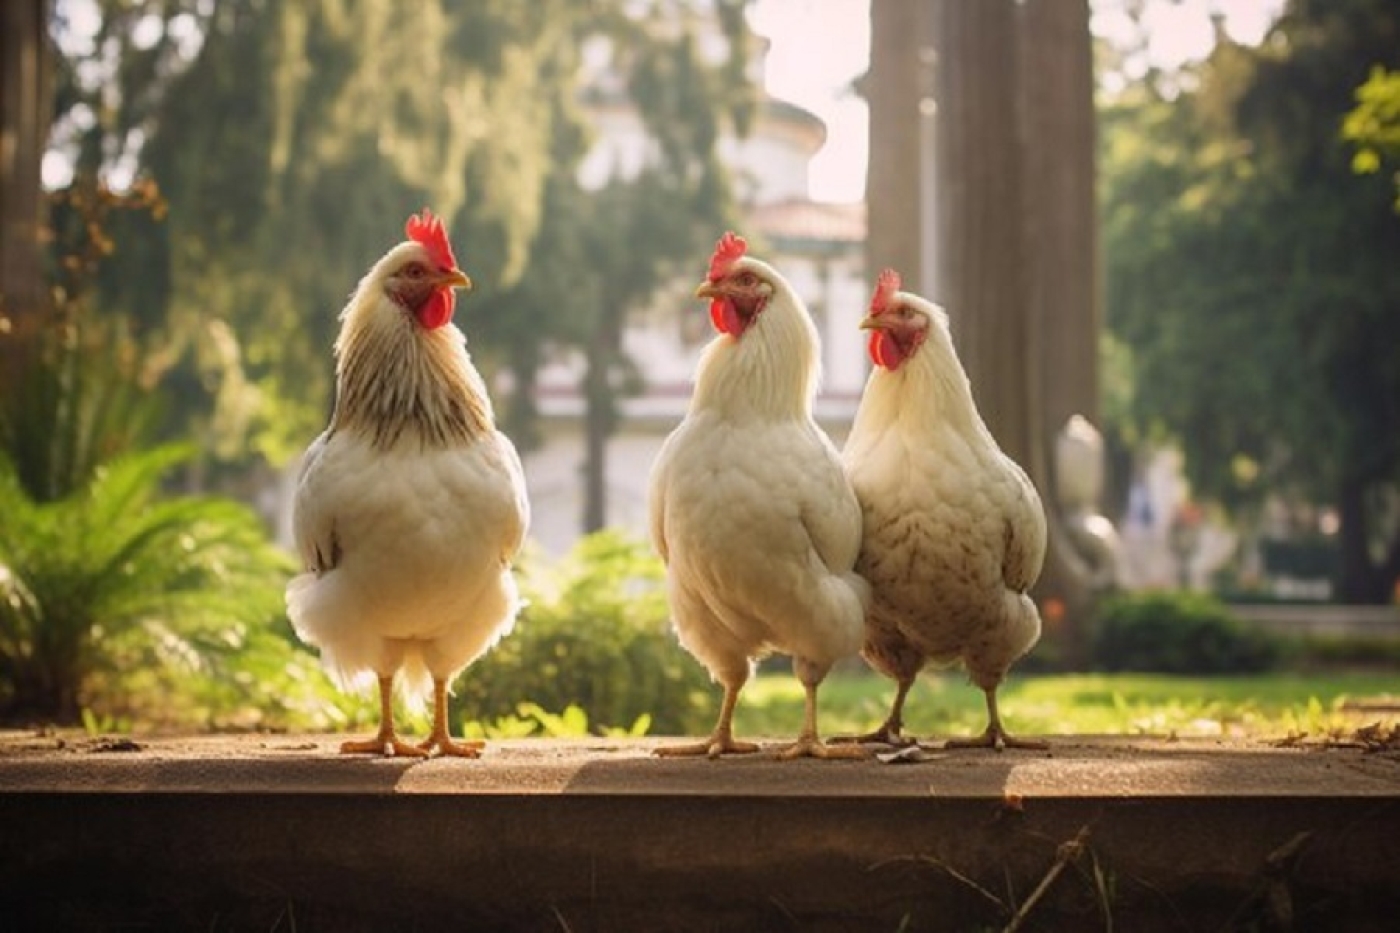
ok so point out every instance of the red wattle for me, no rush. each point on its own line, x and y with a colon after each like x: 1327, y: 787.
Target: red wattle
x: 725, y: 317
x: 437, y: 310
x: 884, y: 351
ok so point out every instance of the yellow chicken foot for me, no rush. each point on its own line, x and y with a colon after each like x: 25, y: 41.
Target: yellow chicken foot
x: 995, y: 736
x: 892, y: 731
x: 808, y: 745
x: 720, y: 742
x: 386, y: 742
x: 441, y: 736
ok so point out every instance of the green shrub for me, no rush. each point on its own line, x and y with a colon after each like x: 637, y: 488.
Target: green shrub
x: 1346, y: 653
x: 595, y: 635
x: 121, y: 601
x: 1178, y: 633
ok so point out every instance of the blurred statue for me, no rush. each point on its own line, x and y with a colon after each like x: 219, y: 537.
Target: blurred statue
x: 1079, y: 481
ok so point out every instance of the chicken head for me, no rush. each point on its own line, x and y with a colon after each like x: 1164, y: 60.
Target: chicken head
x: 737, y: 290
x: 422, y: 279
x: 898, y: 327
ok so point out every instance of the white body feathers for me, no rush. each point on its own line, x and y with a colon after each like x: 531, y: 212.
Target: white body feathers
x: 406, y: 517
x: 751, y: 511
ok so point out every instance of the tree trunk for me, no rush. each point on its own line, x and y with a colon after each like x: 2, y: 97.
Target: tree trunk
x: 1014, y: 239
x: 26, y: 103
x: 1059, y: 212
x: 522, y: 415
x: 978, y: 223
x: 1358, y: 580
x: 895, y: 182
x: 1060, y: 207
x: 600, y: 420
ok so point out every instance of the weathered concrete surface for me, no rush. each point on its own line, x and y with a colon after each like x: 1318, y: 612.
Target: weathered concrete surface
x: 276, y: 832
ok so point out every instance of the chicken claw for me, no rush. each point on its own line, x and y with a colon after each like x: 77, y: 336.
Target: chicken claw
x: 446, y: 746
x: 386, y: 742
x: 721, y: 741
x: 713, y: 747
x: 441, y: 736
x: 891, y: 734
x: 995, y: 737
x: 809, y: 746
x: 389, y: 745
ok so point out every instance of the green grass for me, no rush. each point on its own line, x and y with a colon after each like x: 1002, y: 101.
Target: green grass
x: 1117, y: 704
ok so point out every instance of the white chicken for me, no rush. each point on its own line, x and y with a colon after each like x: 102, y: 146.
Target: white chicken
x: 954, y: 530
x: 411, y: 505
x: 749, y: 506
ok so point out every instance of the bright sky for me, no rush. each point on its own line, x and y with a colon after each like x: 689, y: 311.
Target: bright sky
x: 821, y: 46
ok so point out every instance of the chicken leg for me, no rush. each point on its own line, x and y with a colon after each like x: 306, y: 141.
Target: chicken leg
x: 441, y: 736
x: 995, y: 736
x: 891, y: 732
x: 721, y: 740
x: 387, y: 742
x: 808, y: 744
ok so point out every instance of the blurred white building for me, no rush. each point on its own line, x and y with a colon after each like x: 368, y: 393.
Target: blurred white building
x: 819, y: 248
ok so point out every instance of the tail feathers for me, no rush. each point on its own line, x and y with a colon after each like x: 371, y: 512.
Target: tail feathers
x: 837, y: 627
x: 1017, y: 634
x: 353, y: 658
x: 354, y: 655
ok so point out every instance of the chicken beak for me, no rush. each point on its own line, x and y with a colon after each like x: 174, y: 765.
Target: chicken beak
x: 455, y: 278
x: 873, y: 322
x: 707, y: 290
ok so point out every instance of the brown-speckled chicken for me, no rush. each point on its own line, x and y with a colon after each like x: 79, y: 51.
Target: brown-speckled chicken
x: 954, y: 530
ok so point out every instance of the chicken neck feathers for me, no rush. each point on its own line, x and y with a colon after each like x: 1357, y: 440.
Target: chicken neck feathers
x: 773, y: 371
x: 929, y: 393
x: 397, y: 381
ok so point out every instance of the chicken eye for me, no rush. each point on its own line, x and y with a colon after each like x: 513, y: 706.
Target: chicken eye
x: 414, y: 271
x: 747, y: 279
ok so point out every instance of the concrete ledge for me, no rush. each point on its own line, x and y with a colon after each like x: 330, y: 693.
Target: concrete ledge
x: 274, y: 832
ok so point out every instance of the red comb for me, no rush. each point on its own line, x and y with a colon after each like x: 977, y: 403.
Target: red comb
x: 730, y: 247
x: 426, y: 229
x: 885, y: 287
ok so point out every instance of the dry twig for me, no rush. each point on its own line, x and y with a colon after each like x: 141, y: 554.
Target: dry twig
x: 1067, y: 853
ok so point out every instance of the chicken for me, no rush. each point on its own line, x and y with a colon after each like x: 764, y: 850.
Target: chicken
x: 749, y: 506
x: 411, y: 505
x: 954, y: 530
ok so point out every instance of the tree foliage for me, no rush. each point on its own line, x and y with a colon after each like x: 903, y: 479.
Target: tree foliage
x: 605, y: 253
x: 1250, y: 275
x: 287, y: 180
x: 291, y: 140
x: 1374, y: 125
